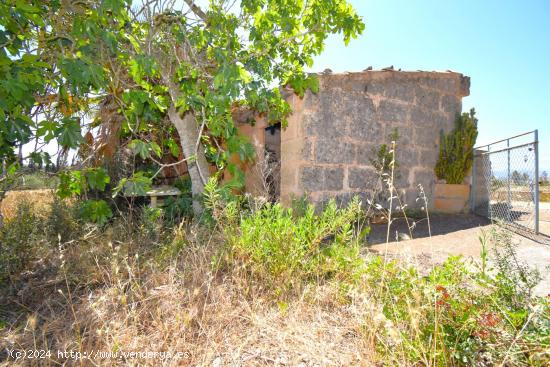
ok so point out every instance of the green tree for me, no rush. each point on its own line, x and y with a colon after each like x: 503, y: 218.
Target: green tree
x: 159, y: 64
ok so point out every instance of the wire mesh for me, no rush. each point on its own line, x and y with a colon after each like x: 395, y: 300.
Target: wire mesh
x: 505, y: 185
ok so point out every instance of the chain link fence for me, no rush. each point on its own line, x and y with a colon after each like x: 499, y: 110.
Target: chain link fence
x: 505, y: 183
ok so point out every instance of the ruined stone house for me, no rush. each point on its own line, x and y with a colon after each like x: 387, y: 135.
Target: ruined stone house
x: 326, y: 150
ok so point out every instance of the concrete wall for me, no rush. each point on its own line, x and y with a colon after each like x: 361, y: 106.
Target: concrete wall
x: 325, y: 149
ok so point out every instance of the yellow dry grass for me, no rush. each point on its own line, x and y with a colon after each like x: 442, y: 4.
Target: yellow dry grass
x: 204, y: 315
x: 40, y: 200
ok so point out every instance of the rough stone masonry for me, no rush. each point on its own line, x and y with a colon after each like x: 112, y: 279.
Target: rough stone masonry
x: 326, y: 149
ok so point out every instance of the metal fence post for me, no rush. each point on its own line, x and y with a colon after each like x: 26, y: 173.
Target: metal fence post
x: 474, y: 184
x: 509, y: 208
x: 536, y: 182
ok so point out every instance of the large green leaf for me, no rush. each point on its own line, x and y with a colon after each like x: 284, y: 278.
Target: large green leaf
x: 139, y: 147
x: 96, y: 211
x: 71, y: 183
x: 97, y: 178
x: 137, y: 185
x: 69, y: 133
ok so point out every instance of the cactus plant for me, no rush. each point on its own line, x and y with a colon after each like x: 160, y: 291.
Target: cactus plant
x: 456, y: 149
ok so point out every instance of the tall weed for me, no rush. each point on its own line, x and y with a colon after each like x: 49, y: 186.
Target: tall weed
x: 284, y: 249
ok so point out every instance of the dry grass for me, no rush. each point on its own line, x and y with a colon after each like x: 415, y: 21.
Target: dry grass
x: 214, y: 318
x: 40, y: 200
x: 116, y: 289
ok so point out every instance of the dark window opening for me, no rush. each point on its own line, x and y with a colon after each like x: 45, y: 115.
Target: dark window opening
x: 272, y: 161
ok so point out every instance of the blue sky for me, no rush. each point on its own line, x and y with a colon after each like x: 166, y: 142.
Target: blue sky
x: 504, y: 46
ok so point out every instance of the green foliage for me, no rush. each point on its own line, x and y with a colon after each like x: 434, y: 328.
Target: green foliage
x: 23, y: 76
x: 73, y: 183
x: 96, y: 211
x: 180, y: 207
x: 456, y: 152
x: 69, y: 133
x: 137, y: 185
x: 82, y: 183
x: 285, y: 250
x: 453, y: 316
x: 66, y: 58
x: 144, y: 149
x: 40, y: 159
x: 515, y: 279
x: 383, y: 160
x: 97, y: 178
x: 62, y: 222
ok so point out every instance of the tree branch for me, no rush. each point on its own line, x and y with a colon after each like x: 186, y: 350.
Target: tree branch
x: 196, y: 9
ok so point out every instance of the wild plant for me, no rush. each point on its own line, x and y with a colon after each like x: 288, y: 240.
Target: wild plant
x: 515, y: 279
x: 284, y: 250
x: 424, y: 200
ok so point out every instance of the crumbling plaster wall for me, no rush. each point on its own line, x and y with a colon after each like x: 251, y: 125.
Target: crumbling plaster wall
x: 330, y: 138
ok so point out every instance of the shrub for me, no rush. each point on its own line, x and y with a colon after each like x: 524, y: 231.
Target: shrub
x: 180, y: 207
x: 285, y: 250
x: 61, y: 222
x: 456, y: 150
x: 95, y: 211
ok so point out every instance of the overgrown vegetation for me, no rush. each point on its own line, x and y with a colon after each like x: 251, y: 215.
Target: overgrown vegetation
x: 283, y: 250
x: 251, y: 271
x: 160, y: 79
x: 456, y: 152
x: 243, y: 282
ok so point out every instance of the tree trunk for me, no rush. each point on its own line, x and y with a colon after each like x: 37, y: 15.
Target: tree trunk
x: 188, y: 132
x: 3, y: 189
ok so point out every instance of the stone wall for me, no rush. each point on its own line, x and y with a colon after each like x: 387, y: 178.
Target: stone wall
x: 327, y: 146
x: 480, y: 196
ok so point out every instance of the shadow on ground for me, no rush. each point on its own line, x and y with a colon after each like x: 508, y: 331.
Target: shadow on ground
x: 439, y: 224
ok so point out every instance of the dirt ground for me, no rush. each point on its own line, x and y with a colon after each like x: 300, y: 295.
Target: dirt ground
x: 458, y: 235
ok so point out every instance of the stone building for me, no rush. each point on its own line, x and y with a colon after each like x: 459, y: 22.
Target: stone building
x: 327, y: 148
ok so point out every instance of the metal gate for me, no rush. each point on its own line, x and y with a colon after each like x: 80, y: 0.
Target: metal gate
x: 505, y: 182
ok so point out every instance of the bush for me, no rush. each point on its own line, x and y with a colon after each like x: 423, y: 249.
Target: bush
x: 61, y: 223
x: 181, y: 207
x: 95, y: 211
x: 284, y: 250
x: 456, y: 151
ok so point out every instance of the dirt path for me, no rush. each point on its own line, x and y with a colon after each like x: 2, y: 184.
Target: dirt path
x: 458, y: 235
